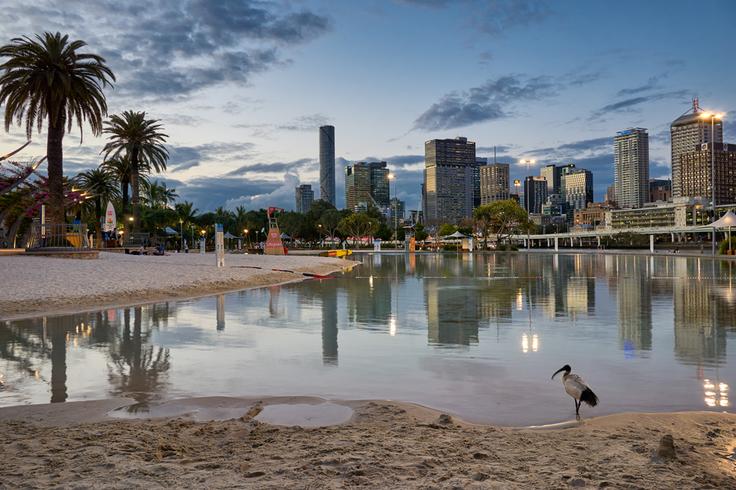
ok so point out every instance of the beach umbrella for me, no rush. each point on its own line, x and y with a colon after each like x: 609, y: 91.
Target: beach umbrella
x: 111, y: 220
x: 170, y: 231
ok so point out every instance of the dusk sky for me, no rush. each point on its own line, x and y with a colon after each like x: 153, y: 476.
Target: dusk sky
x: 242, y: 86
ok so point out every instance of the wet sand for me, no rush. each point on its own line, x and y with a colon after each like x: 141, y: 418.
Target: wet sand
x: 55, y: 286
x: 383, y: 445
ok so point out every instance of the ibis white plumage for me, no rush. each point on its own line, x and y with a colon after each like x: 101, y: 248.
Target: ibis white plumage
x: 577, y: 389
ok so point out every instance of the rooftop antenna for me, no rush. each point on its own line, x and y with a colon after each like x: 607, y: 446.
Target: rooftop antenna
x: 696, y: 105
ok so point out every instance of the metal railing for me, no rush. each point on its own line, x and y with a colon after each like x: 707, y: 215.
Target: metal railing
x: 54, y: 235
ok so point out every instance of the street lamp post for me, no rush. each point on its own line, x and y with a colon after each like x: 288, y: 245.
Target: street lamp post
x: 713, y: 117
x: 181, y: 234
x: 527, y: 163
x: 394, y: 208
x: 247, y: 243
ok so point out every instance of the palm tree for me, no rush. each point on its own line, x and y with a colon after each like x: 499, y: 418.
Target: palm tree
x: 47, y: 78
x: 120, y: 168
x: 100, y: 184
x: 142, y: 141
x: 160, y: 195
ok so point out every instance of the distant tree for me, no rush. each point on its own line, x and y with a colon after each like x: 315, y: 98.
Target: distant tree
x: 100, y: 184
x: 446, y: 229
x: 419, y: 233
x: 48, y: 78
x: 330, y: 221
x: 502, y: 218
x: 318, y: 208
x: 120, y: 168
x: 358, y: 225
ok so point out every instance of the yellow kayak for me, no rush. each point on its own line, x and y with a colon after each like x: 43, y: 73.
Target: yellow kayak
x: 337, y: 253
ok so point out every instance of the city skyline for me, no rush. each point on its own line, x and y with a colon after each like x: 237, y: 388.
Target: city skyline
x: 244, y: 107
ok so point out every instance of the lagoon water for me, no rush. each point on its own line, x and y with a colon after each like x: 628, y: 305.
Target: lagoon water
x: 478, y: 336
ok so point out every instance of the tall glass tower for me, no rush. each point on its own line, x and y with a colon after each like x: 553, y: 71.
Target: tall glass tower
x: 327, y: 164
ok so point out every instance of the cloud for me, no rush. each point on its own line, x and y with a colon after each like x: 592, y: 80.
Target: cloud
x: 176, y: 47
x: 632, y: 102
x: 282, y: 195
x: 493, y: 17
x: 593, y: 145
x: 486, y: 102
x: 186, y: 157
x: 208, y: 193
x: 275, y: 167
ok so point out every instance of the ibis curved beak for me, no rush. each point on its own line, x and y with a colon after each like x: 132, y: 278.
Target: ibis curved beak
x: 557, y: 372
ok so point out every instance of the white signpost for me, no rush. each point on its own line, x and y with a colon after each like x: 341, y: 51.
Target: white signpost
x: 376, y: 244
x: 201, y: 245
x: 219, y: 245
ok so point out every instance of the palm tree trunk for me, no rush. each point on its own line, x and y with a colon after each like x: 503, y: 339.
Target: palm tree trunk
x: 98, y: 216
x: 126, y: 199
x: 55, y: 163
x: 135, y: 185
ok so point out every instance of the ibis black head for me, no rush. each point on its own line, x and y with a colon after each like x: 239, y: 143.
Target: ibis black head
x: 565, y: 368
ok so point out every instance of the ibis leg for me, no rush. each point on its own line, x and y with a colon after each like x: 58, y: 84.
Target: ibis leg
x: 577, y: 409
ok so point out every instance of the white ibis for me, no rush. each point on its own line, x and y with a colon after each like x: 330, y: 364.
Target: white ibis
x: 577, y: 389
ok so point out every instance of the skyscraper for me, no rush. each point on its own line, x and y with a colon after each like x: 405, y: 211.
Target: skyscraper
x: 660, y: 190
x: 631, y: 167
x: 577, y: 188
x: 687, y: 132
x: 327, y: 164
x: 494, y: 182
x: 398, y: 211
x: 304, y: 197
x: 479, y: 163
x: 448, y: 180
x: 695, y: 172
x: 535, y: 193
x: 551, y: 174
x: 366, y: 184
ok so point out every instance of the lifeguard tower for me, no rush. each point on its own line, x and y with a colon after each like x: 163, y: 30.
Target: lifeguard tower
x: 274, y: 245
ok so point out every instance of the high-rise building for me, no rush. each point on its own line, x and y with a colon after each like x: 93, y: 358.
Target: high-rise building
x: 551, y: 174
x: 327, y: 164
x: 479, y: 163
x: 577, y: 188
x: 687, y: 132
x: 448, y: 180
x: 416, y: 216
x: 660, y: 190
x: 610, y: 194
x: 494, y: 182
x: 398, y: 210
x: 631, y: 167
x: 695, y: 172
x: 566, y: 169
x: 535, y: 194
x: 366, y: 184
x: 304, y: 197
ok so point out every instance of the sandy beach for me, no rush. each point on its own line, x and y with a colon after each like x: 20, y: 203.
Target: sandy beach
x: 45, y: 285
x: 383, y: 445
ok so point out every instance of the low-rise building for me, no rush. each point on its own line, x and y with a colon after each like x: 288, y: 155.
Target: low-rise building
x: 591, y: 217
x: 679, y: 213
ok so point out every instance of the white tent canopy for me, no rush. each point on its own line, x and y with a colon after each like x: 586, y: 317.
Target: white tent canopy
x: 457, y: 234
x: 726, y: 221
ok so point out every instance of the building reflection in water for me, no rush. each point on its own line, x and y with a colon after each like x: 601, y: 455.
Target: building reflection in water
x: 220, y: 300
x: 328, y: 295
x: 534, y: 300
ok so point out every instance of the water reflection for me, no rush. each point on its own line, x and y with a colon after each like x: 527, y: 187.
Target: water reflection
x: 427, y: 328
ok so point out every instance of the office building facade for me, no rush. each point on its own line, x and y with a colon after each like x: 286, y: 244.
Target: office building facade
x: 535, y: 194
x: 686, y: 133
x: 398, y: 210
x: 551, y: 174
x: 576, y: 187
x: 631, y: 167
x: 479, y: 163
x: 695, y: 172
x: 494, y: 182
x: 448, y: 180
x: 304, y: 198
x: 366, y: 185
x: 327, y: 164
x: 660, y: 190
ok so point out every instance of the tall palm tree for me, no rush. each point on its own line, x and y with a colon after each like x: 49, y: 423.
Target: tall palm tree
x: 142, y: 141
x: 100, y: 184
x: 120, y: 168
x: 47, y: 78
x: 160, y: 195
